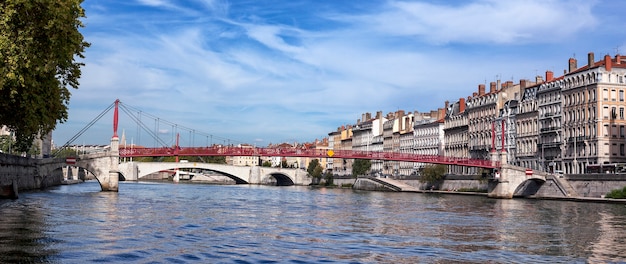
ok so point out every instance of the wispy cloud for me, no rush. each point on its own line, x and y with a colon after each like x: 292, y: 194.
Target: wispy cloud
x: 263, y: 70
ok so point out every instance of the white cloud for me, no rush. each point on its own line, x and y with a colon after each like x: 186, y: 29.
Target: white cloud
x: 485, y: 21
x: 218, y: 72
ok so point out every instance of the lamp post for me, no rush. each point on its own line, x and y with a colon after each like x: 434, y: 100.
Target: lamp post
x: 575, y: 162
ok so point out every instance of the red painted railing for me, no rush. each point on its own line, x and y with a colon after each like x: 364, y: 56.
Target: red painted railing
x: 312, y: 153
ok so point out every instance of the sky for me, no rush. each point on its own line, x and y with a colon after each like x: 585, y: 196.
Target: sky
x: 261, y: 72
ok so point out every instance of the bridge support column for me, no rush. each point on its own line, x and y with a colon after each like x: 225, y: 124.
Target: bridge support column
x: 74, y: 173
x: 502, y: 188
x: 110, y: 182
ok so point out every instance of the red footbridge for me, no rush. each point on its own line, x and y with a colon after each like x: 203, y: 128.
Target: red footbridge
x: 299, y: 152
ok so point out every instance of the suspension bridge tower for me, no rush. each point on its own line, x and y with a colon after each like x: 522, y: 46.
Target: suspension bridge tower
x: 110, y: 182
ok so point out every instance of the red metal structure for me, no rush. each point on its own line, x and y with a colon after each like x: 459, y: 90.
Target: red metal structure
x: 291, y: 152
x: 298, y: 152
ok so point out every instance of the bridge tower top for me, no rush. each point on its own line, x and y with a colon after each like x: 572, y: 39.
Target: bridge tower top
x: 115, y: 117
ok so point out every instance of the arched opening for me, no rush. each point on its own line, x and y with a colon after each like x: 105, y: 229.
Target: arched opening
x: 528, y: 188
x: 278, y: 179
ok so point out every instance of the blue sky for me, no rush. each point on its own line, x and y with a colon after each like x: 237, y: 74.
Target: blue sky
x: 265, y: 72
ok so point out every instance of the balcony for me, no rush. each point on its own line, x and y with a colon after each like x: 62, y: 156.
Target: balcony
x: 550, y: 129
x: 579, y: 139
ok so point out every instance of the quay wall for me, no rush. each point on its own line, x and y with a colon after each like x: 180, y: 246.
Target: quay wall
x: 580, y: 186
x: 27, y: 173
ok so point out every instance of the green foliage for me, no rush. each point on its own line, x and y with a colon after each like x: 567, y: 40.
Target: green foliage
x: 328, y: 179
x: 361, y: 167
x: 617, y: 194
x: 433, y: 173
x: 312, y: 165
x: 315, y: 170
x: 39, y: 43
x: 266, y: 163
x: 66, y: 152
x: 283, y: 164
x: 6, y: 144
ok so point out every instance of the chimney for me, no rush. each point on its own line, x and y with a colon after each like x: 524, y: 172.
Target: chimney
x: 590, y: 60
x: 461, y: 105
x: 368, y: 115
x: 509, y: 83
x: 474, y: 94
x: 446, y: 104
x: 433, y: 114
x: 618, y: 59
x: 573, y: 64
x: 522, y: 84
x: 442, y: 113
x: 608, y: 64
x: 379, y: 115
x: 492, y: 87
x: 549, y: 76
x: 498, y: 86
x: 481, y: 89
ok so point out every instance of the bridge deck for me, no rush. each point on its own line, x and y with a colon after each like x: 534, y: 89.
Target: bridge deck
x: 312, y: 153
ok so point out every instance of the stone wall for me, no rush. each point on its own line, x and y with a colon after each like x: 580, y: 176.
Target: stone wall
x: 27, y: 173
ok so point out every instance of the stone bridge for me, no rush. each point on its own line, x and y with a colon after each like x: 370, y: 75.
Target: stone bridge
x: 132, y: 171
x: 513, y: 181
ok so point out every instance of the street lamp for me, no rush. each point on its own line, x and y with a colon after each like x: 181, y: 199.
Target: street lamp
x: 576, y: 162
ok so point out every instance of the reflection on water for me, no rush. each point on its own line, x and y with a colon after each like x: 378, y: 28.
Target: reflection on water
x: 149, y: 222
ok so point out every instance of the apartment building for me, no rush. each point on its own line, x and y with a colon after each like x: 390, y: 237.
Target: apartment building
x: 593, y: 114
x: 549, y: 112
x: 572, y: 123
x: 526, y: 123
x: 455, y: 127
x: 428, y: 134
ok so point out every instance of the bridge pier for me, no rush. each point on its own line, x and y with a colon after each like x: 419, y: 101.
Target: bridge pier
x: 509, y: 181
x: 109, y: 182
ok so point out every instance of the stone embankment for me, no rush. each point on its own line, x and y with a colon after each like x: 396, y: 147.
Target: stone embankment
x: 23, y: 173
x: 584, y: 187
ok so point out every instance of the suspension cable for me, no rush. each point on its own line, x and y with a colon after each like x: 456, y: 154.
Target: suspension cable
x: 82, y: 131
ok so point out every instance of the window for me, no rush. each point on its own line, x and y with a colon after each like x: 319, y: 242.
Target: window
x: 621, y: 131
x: 613, y: 112
x: 605, y: 112
x: 621, y: 113
x: 605, y: 94
x: 621, y: 149
x: 621, y: 95
x: 613, y: 95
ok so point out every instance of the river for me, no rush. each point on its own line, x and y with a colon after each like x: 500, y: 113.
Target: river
x: 196, y: 223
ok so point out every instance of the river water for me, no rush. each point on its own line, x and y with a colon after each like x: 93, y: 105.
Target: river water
x: 195, y: 223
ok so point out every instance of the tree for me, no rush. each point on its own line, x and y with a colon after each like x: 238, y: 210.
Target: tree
x: 266, y: 163
x: 314, y: 163
x: 328, y: 178
x: 67, y: 152
x: 315, y: 170
x: 39, y: 43
x: 360, y: 167
x: 433, y: 174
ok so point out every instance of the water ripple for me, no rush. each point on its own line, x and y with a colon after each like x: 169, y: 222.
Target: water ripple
x: 185, y: 223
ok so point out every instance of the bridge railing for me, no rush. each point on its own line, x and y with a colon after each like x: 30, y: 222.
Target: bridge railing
x: 299, y: 152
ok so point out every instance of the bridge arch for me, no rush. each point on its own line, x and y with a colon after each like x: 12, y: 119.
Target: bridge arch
x: 241, y: 174
x: 279, y: 179
x: 528, y: 187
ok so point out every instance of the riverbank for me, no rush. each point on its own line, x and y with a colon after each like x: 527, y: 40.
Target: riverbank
x: 550, y: 190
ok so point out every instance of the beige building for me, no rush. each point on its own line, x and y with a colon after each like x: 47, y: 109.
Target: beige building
x: 593, y: 114
x: 243, y: 160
